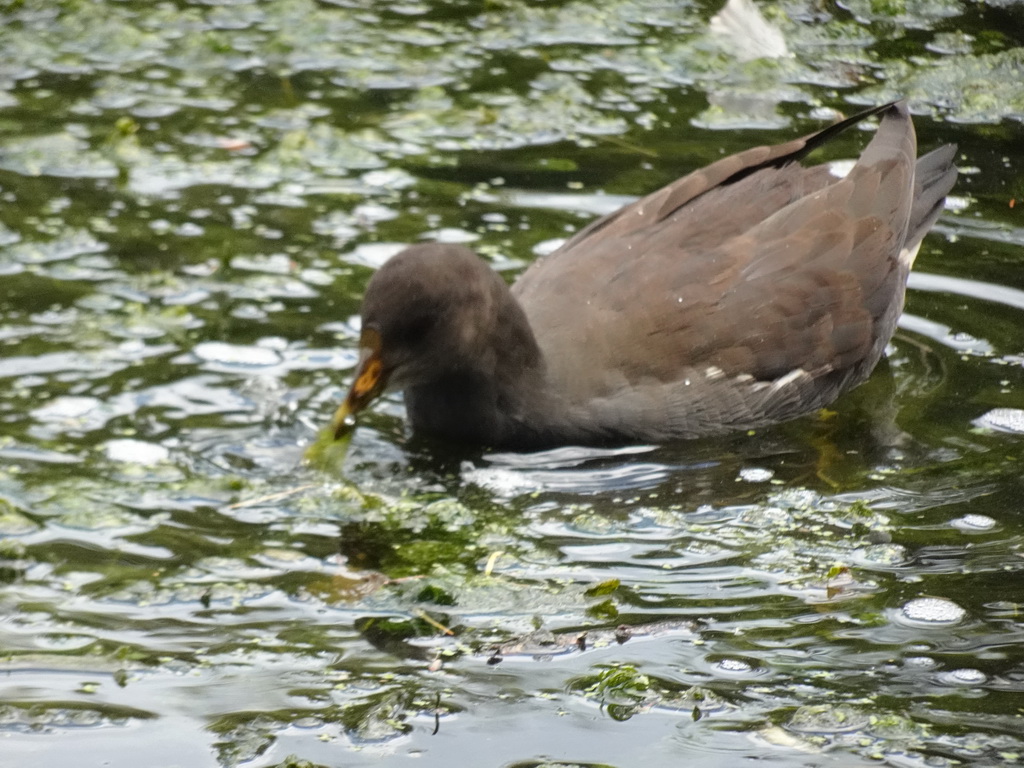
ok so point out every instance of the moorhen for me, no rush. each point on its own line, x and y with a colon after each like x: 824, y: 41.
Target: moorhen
x: 748, y: 293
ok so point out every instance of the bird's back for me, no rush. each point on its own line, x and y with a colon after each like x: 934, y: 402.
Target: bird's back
x: 746, y: 293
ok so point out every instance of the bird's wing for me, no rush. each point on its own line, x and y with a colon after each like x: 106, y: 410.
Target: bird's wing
x: 753, y: 266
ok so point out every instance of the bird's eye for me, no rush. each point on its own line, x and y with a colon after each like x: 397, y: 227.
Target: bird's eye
x: 414, y: 329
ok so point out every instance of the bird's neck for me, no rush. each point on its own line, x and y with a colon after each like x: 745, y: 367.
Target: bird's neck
x: 488, y: 400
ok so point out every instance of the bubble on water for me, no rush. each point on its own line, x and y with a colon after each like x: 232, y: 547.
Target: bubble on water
x: 756, y: 474
x: 733, y: 666
x: 919, y: 662
x: 933, y: 611
x: 1002, y: 420
x: 966, y: 676
x: 972, y: 523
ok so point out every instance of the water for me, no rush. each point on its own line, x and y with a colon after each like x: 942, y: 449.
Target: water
x: 193, y: 198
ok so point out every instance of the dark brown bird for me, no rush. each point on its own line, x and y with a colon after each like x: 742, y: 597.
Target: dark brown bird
x: 748, y: 293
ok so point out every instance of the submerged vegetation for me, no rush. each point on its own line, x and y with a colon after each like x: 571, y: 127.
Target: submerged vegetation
x: 193, y: 197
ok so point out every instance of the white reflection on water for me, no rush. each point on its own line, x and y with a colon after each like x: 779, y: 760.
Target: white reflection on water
x: 571, y: 469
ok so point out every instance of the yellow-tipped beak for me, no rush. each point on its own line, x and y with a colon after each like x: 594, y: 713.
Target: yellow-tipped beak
x: 369, y: 383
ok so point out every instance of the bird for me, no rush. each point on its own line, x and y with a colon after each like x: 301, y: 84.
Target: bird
x: 745, y: 294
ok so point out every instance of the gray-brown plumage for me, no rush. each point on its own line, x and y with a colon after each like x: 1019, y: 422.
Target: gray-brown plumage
x: 747, y: 293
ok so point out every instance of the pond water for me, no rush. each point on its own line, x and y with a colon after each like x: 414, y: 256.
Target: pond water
x: 194, y: 195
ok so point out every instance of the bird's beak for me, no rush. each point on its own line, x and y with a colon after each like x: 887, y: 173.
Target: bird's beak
x: 370, y: 381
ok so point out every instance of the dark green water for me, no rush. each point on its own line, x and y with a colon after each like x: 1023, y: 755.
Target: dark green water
x: 192, y: 197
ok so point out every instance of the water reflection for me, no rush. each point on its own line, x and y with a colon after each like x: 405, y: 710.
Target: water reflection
x: 569, y: 470
x: 194, y: 196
